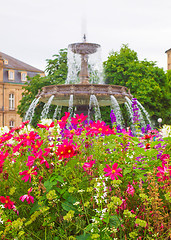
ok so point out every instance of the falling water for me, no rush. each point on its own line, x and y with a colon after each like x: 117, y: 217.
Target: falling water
x: 145, y: 113
x: 70, y: 109
x: 129, y: 109
x: 30, y: 111
x: 95, y: 67
x: 57, y: 113
x: 45, y: 110
x: 117, y: 111
x: 74, y: 67
x: 94, y: 102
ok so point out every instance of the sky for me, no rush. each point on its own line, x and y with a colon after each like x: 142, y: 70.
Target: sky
x: 34, y: 30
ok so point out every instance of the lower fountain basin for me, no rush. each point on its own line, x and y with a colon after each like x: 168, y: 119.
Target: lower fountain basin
x: 82, y: 93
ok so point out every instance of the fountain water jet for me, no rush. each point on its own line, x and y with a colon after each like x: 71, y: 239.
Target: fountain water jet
x: 94, y: 102
x: 46, y: 108
x: 57, y: 113
x: 117, y: 111
x: 30, y: 112
x: 85, y: 85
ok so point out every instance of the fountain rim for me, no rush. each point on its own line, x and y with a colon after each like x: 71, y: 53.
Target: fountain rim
x: 91, y: 48
x: 84, y: 91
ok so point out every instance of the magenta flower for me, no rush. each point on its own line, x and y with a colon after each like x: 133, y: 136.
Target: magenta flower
x: 130, y: 190
x: 114, y: 172
x: 27, y: 174
x: 87, y: 167
x: 162, y: 172
x: 164, y: 158
x: 28, y: 197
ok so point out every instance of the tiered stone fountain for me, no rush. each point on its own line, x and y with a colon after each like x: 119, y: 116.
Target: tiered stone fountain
x: 83, y: 91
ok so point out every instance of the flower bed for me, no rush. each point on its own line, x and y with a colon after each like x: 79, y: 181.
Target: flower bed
x: 69, y: 180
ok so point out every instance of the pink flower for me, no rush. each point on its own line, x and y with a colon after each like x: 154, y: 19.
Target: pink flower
x: 164, y: 158
x: 46, y: 126
x: 27, y: 174
x: 78, y: 119
x: 66, y: 150
x: 87, y: 166
x: 162, y: 172
x: 114, y: 172
x: 130, y: 190
x: 28, y: 197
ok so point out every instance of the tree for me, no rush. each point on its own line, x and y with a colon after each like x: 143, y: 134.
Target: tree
x: 56, y: 70
x: 147, y: 82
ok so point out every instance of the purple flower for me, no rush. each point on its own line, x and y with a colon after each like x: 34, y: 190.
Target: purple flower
x: 113, y: 117
x: 148, y: 127
x: 135, y: 110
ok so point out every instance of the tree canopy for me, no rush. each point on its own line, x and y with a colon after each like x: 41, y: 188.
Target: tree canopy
x: 56, y: 70
x: 147, y: 82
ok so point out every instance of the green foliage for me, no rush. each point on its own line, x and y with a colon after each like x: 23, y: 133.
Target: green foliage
x: 56, y: 74
x: 73, y: 199
x: 147, y: 82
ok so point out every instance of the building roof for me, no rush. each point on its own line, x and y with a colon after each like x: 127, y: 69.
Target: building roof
x: 14, y: 63
x: 168, y: 50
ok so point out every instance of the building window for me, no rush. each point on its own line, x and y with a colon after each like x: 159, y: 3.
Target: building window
x: 5, y: 61
x: 11, y: 101
x: 11, y: 124
x: 11, y: 74
x: 23, y: 76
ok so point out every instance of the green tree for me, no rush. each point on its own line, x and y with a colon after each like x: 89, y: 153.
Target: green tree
x: 56, y: 70
x: 147, y: 82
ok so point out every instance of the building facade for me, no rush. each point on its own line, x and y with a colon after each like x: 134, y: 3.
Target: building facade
x: 13, y: 75
x: 168, y: 59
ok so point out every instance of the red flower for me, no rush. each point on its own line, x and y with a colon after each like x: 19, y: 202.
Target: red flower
x: 27, y: 174
x: 78, y: 119
x: 28, y: 139
x: 66, y: 150
x: 65, y: 118
x: 99, y: 127
x: 2, y: 159
x: 114, y: 172
x: 46, y: 126
x: 8, y: 203
x: 37, y: 145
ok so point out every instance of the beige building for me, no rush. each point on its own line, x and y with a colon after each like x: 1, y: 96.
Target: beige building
x: 168, y: 58
x: 13, y: 75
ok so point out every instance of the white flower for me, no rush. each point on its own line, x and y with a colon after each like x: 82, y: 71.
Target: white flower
x: 1, y: 221
x: 4, y: 130
x: 166, y: 131
x: 81, y: 190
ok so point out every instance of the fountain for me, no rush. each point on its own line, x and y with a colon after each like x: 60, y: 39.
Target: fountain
x: 83, y: 94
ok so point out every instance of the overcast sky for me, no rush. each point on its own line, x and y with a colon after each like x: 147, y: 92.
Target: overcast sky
x: 34, y: 30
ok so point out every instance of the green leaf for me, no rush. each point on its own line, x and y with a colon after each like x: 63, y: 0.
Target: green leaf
x: 83, y: 237
x: 48, y: 185
x: 57, y: 178
x: 114, y: 221
x: 34, y: 208
x: 67, y: 206
x: 127, y: 171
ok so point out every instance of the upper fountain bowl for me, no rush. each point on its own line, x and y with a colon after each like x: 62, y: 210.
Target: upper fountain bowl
x: 84, y: 48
